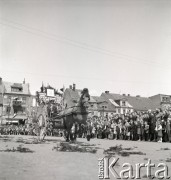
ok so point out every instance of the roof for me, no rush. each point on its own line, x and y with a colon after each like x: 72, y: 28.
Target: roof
x: 141, y: 103
x: 160, y: 95
x: 8, y: 85
x: 99, y: 99
x: 110, y: 107
x: 71, y: 95
x: 138, y: 103
x: 92, y: 100
x: 112, y: 96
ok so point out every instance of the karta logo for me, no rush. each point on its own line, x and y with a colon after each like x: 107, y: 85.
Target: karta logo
x: 107, y: 169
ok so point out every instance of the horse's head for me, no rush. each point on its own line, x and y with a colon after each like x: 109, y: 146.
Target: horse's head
x: 85, y: 97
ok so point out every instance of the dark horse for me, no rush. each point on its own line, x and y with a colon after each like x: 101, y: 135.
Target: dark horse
x: 75, y: 116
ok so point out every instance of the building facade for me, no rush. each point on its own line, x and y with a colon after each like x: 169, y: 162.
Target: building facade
x: 161, y: 101
x: 104, y: 107
x: 119, y: 103
x: 15, y: 99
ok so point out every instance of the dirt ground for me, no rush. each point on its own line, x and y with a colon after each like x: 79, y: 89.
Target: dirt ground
x: 43, y: 162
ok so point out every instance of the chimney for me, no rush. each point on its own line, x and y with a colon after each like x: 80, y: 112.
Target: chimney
x: 106, y: 92
x: 74, y: 87
x: 0, y: 80
x: 128, y: 94
x: 70, y: 86
x: 123, y: 94
x: 137, y: 95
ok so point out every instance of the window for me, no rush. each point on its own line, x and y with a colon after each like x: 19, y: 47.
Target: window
x: 119, y: 111
x: 8, y: 109
x: 165, y: 99
x: 24, y: 100
x: 123, y: 103
x: 124, y: 111
x: 14, y: 89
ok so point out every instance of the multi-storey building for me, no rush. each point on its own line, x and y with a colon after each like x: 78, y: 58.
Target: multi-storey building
x: 161, y: 101
x: 15, y: 100
x: 104, y: 107
x: 127, y: 103
x: 119, y: 102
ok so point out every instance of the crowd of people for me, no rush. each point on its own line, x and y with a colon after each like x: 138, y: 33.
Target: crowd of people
x: 28, y: 129
x: 11, y: 129
x: 136, y: 126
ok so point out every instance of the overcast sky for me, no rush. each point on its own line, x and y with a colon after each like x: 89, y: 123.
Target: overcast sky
x: 123, y: 46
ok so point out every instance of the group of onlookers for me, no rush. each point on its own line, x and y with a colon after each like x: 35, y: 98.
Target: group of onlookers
x: 16, y: 130
x: 136, y: 126
x: 28, y: 129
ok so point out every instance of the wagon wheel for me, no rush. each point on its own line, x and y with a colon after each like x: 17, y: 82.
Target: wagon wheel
x: 36, y: 129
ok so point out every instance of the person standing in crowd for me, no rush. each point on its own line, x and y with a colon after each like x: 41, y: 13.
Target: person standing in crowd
x: 146, y: 131
x: 93, y: 131
x: 139, y: 132
x: 88, y: 131
x: 111, y: 134
x: 127, y: 126
x: 120, y: 134
x: 142, y: 129
x: 135, y: 131
x: 73, y: 131
x: 115, y: 130
x: 168, y: 128
x: 131, y: 129
x: 164, y: 123
x: 159, y: 131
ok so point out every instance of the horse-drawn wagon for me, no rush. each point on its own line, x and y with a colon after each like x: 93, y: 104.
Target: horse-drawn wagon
x: 69, y: 118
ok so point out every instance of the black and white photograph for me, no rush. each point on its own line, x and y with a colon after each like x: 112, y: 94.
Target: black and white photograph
x: 85, y: 89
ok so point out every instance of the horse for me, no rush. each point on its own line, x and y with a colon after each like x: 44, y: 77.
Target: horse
x: 76, y: 115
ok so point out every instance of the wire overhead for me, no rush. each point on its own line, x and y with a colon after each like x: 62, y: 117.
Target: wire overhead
x: 74, y: 43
